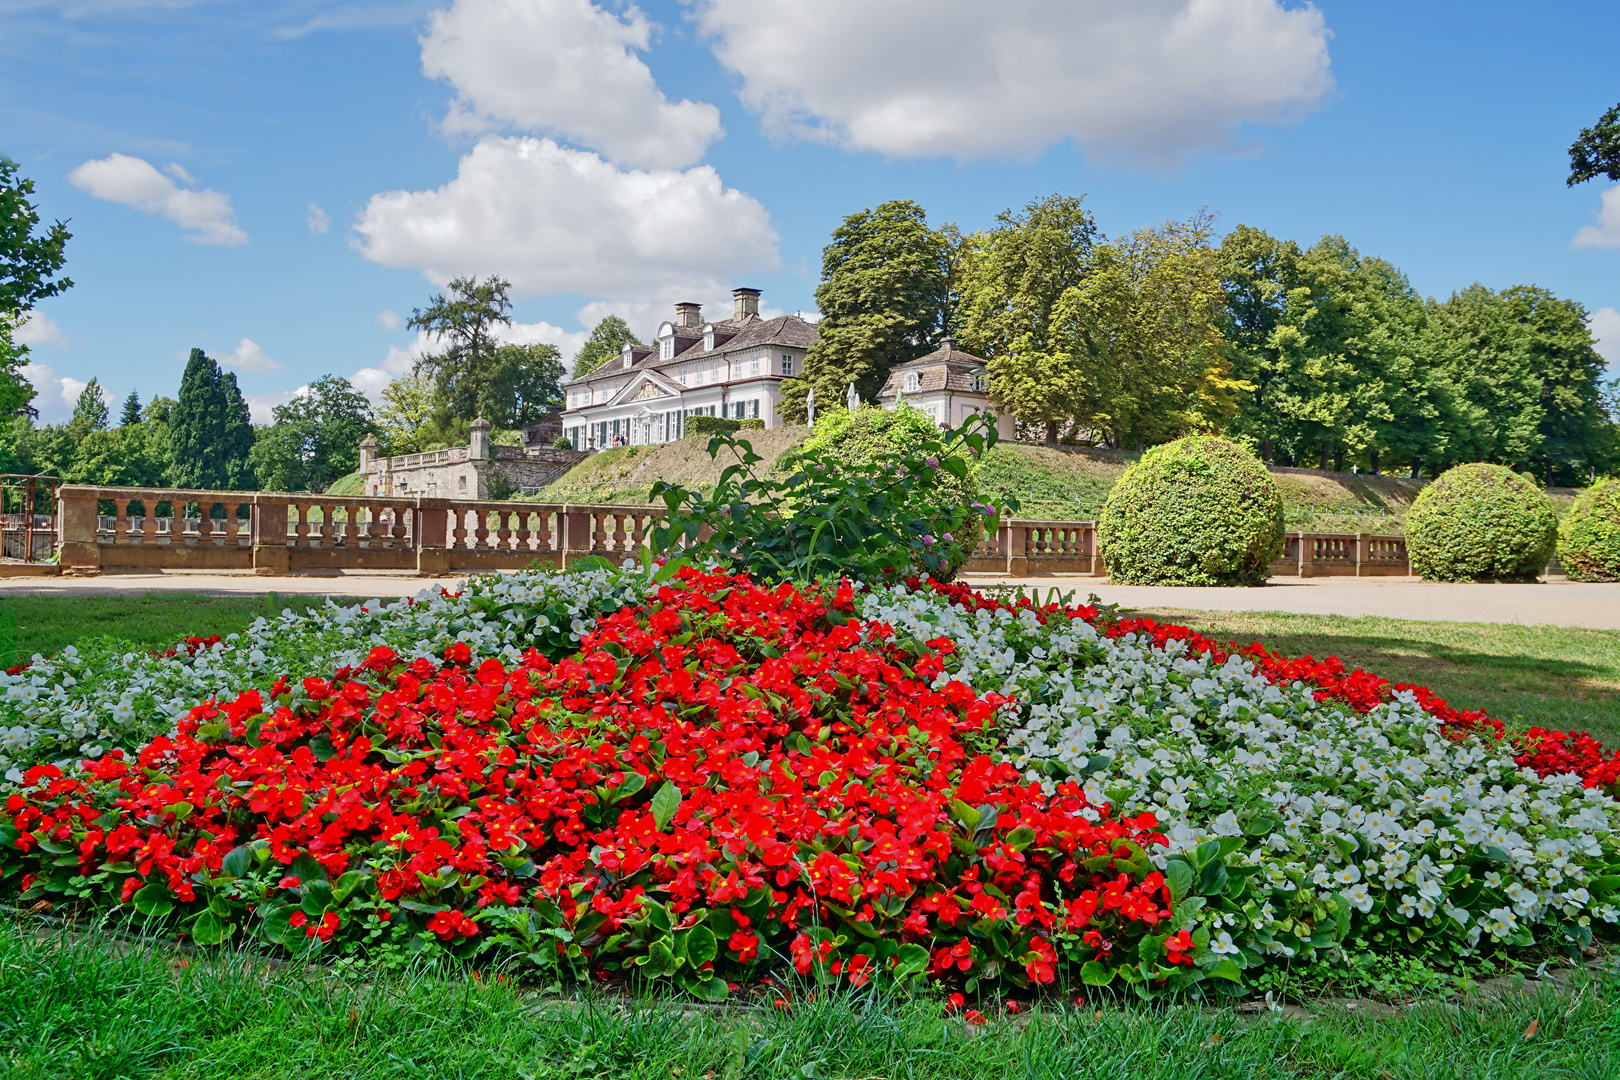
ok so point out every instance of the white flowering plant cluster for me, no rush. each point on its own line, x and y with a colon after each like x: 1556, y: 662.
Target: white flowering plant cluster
x: 1312, y: 833
x: 83, y: 701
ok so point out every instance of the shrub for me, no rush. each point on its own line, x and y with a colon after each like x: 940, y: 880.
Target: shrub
x: 563, y: 443
x: 1480, y: 522
x: 1589, y: 537
x: 703, y: 426
x: 1198, y: 511
x: 873, y: 433
x: 819, y: 515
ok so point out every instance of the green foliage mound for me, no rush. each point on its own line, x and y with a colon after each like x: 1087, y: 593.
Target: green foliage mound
x: 1481, y: 522
x: 1589, y: 537
x: 872, y: 434
x: 1197, y: 511
x: 701, y: 427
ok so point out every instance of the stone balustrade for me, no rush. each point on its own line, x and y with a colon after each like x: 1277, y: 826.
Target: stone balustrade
x: 280, y: 534
x: 165, y: 528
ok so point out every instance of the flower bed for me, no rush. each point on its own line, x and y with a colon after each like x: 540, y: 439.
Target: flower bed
x: 695, y: 778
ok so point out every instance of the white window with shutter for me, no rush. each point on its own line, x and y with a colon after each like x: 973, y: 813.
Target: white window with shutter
x: 787, y: 363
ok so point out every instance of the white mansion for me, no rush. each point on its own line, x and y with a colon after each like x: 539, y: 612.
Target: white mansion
x: 734, y: 368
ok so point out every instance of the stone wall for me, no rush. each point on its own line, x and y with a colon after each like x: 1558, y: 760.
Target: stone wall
x: 461, y: 472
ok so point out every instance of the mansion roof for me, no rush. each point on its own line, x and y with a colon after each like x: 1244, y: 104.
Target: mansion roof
x: 731, y: 337
x: 947, y: 368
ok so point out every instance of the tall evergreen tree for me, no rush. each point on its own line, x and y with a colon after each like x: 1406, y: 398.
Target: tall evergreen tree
x: 236, y: 437
x: 608, y: 339
x: 884, y: 300
x: 132, y: 410
x: 197, y: 427
x: 89, y: 412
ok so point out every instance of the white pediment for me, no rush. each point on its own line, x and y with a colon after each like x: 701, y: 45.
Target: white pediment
x: 645, y: 385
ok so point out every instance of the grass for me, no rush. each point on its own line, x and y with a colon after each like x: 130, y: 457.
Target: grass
x: 1546, y: 676
x: 46, y: 624
x: 87, y: 1008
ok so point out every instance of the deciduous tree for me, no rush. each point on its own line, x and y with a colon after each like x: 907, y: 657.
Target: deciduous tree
x: 30, y: 262
x: 315, y: 438
x: 883, y: 299
x: 1597, y: 151
x: 608, y: 339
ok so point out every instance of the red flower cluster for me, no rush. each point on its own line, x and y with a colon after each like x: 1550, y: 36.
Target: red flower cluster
x: 724, y: 776
x: 1569, y: 752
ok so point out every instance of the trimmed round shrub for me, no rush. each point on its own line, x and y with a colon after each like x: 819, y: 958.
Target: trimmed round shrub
x: 1480, y: 522
x: 1589, y: 536
x: 1197, y: 511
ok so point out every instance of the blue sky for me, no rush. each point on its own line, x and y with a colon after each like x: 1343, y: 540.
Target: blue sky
x: 613, y: 158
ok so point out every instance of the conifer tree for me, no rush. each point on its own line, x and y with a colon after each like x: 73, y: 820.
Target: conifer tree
x: 236, y: 437
x: 132, y: 410
x: 197, y: 426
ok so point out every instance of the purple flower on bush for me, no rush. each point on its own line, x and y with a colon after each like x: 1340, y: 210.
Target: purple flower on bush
x: 928, y: 540
x: 947, y: 538
x: 932, y: 463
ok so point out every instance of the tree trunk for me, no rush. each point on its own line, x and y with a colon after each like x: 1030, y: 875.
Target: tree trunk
x: 1138, y: 440
x: 1417, y: 466
x: 1338, y: 460
x: 1267, y: 452
x: 1372, y: 460
x: 1324, y: 464
x: 1051, y: 433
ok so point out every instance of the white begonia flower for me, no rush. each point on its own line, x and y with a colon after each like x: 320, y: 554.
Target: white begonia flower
x: 1221, y: 945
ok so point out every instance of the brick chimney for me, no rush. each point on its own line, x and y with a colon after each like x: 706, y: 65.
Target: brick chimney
x: 947, y: 345
x: 688, y: 314
x: 744, y: 302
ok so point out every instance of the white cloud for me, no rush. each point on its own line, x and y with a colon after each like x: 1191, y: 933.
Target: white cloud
x: 565, y: 68
x: 1606, y: 233
x: 388, y: 320
x: 317, y: 221
x: 554, y: 220
x: 1605, y: 326
x: 118, y: 178
x: 262, y: 407
x: 38, y: 330
x: 1152, y: 80
x: 249, y: 357
x: 54, y: 397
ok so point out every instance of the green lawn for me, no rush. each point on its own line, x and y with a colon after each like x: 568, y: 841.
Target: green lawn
x: 46, y: 624
x: 73, y: 1007
x: 1547, y: 676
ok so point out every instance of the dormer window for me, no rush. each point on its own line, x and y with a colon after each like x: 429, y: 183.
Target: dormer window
x: 628, y: 359
x: 666, y: 349
x: 981, y: 383
x: 708, y: 337
x: 913, y: 382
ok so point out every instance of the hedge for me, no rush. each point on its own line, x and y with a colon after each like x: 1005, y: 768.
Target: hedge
x: 1197, y: 511
x: 1481, y: 522
x: 705, y: 426
x: 1589, y: 537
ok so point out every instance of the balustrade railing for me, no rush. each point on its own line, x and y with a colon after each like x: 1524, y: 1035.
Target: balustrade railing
x: 163, y: 528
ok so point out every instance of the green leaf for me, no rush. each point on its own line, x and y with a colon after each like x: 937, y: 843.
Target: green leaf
x: 180, y: 810
x: 632, y: 784
x: 322, y: 748
x: 964, y: 813
x: 709, y: 989
x: 238, y: 862
x: 1095, y: 974
x: 1021, y: 837
x: 210, y: 929
x: 700, y: 946
x: 913, y: 961
x: 1212, y: 882
x: 660, y: 960
x: 665, y: 803
x: 153, y: 900
x: 306, y: 869
x: 1180, y: 877
x: 1226, y: 969
x: 1260, y: 825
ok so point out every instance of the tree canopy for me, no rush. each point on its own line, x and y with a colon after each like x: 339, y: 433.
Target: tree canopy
x: 608, y: 339
x: 315, y: 437
x: 210, y: 430
x: 884, y: 300
x: 1597, y: 151
x: 29, y: 264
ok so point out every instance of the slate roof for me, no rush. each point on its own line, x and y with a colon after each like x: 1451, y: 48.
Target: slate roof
x: 731, y: 337
x: 946, y: 368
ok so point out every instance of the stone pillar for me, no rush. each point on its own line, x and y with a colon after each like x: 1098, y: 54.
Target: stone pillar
x: 76, y: 531
x: 431, y: 529
x: 478, y: 441
x: 575, y: 540
x: 1017, y: 550
x: 368, y: 465
x: 270, y: 553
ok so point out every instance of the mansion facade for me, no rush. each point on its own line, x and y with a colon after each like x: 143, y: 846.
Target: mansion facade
x: 732, y: 368
x: 735, y: 368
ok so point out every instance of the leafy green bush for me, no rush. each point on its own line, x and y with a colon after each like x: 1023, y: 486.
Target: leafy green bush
x: 1589, y: 537
x: 1197, y: 511
x: 699, y: 426
x: 873, y: 433
x: 1480, y: 522
x: 878, y: 519
x: 563, y: 442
